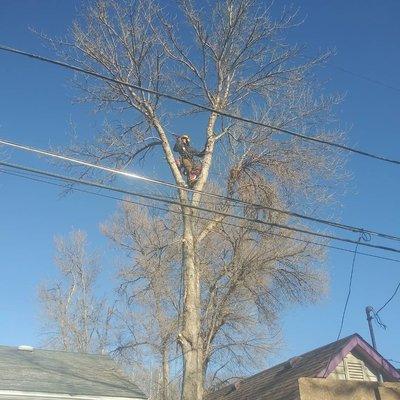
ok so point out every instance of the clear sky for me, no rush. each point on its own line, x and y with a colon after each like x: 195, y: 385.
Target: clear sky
x: 36, y: 108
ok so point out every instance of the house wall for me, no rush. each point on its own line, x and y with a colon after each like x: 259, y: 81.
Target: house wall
x: 329, y: 389
x: 390, y: 391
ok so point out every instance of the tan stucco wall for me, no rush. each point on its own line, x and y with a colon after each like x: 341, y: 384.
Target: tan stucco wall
x: 323, y: 389
x: 390, y: 391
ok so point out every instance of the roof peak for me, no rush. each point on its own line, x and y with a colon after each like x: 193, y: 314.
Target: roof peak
x: 367, y: 351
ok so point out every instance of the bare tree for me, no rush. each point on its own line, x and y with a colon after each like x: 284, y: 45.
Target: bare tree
x: 148, y: 308
x: 247, y: 278
x: 230, y: 55
x: 75, y: 317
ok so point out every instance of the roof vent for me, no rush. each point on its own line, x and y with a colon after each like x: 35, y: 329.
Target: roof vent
x: 234, y: 386
x: 237, y: 384
x: 355, y: 370
x: 25, y: 348
x: 294, y: 362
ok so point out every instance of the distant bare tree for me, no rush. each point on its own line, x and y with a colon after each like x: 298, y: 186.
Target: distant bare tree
x: 75, y: 318
x: 232, y: 56
x: 149, y: 307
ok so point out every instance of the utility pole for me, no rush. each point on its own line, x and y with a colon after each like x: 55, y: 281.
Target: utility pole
x: 368, y: 311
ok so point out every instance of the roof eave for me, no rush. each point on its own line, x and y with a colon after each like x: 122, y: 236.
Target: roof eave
x: 18, y: 394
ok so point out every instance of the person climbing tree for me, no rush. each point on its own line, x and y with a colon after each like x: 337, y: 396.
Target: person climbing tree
x: 186, y: 162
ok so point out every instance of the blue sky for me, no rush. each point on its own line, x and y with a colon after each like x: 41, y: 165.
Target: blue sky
x: 36, y: 108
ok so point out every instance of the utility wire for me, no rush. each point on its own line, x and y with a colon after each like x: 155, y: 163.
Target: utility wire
x: 189, y: 206
x: 85, y: 163
x: 172, y: 185
x: 125, y: 200
x: 356, y: 74
x: 377, y: 316
x: 364, y: 77
x: 362, y: 237
x: 67, y: 186
x: 200, y: 106
x: 390, y: 299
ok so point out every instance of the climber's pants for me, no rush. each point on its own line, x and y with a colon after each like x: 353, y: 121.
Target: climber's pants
x: 187, y: 164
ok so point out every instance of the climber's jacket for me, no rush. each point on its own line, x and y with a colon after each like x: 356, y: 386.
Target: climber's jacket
x: 186, y: 150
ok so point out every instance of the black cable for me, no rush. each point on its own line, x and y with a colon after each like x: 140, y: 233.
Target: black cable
x: 173, y: 185
x: 353, y: 73
x: 199, y: 217
x: 378, y: 319
x: 155, y: 198
x: 390, y: 298
x: 333, y: 224
x: 366, y: 78
x: 200, y: 106
x: 376, y: 314
x: 350, y: 286
x: 361, y: 237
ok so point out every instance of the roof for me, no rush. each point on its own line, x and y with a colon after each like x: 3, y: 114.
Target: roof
x: 62, y: 372
x: 281, y: 381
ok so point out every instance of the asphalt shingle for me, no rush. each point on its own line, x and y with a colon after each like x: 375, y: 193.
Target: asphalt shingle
x: 281, y: 381
x: 59, y: 372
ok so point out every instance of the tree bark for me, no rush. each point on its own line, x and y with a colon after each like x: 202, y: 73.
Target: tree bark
x: 189, y: 336
x: 165, y: 374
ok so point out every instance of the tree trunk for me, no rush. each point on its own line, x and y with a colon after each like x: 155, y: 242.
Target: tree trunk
x: 189, y: 337
x: 165, y: 375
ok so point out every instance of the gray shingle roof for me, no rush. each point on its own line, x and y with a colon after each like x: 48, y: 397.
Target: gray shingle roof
x: 281, y: 382
x: 50, y: 371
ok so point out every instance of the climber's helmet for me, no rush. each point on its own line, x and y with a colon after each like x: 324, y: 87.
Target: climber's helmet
x: 185, y: 138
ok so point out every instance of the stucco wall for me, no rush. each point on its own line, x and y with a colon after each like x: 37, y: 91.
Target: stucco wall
x: 390, y: 391
x: 323, y: 389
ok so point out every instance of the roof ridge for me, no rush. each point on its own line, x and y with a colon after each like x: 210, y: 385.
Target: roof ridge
x: 36, y: 349
x: 345, y: 339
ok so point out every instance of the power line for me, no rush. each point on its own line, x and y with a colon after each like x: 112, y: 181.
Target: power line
x: 174, y: 202
x: 85, y: 163
x: 200, y: 106
x: 66, y: 186
x: 356, y: 74
x: 125, y: 200
x: 349, y: 288
x: 172, y: 185
x: 355, y: 252
x: 377, y: 317
x: 189, y: 206
x: 198, y: 208
x: 390, y: 299
x: 364, y: 77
